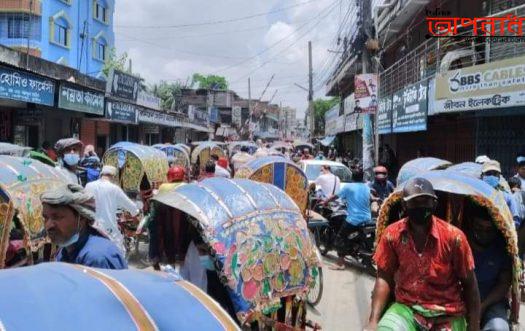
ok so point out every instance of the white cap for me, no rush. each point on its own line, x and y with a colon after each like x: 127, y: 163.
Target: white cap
x: 482, y: 159
x: 108, y: 170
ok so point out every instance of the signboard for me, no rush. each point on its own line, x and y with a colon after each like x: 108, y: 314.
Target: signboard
x: 409, y: 108
x: 155, y: 117
x: 197, y: 116
x: 349, y: 104
x: 148, y: 100
x: 351, y: 122
x: 121, y: 112
x: 330, y: 120
x: 492, y: 85
x: 214, y: 114
x: 384, y: 116
x: 340, y: 124
x: 22, y: 86
x: 151, y: 129
x: 123, y: 85
x: 237, y: 116
x: 78, y: 99
x: 365, y: 94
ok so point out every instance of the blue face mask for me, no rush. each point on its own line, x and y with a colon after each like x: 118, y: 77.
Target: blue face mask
x: 491, y: 180
x: 74, y: 238
x: 206, y: 262
x: 71, y: 159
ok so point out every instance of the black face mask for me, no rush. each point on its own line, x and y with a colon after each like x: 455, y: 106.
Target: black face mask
x: 420, y: 215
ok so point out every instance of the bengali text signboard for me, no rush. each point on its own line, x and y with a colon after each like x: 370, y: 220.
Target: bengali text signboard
x: 26, y: 87
x: 78, y: 99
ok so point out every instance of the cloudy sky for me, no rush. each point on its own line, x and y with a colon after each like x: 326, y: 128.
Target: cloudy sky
x: 172, y: 39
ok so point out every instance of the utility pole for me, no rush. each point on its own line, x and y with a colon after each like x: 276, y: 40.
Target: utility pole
x: 311, y: 91
x: 29, y: 31
x: 368, y: 129
x: 249, y: 107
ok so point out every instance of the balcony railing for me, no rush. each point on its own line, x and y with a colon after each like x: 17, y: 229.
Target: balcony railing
x: 21, y: 6
x: 443, y: 54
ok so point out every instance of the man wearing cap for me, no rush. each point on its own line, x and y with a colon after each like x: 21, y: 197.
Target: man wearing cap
x: 521, y: 170
x: 428, y: 266
x: 68, y: 151
x: 491, y: 174
x: 381, y: 187
x: 220, y: 171
x: 69, y: 214
x: 109, y: 198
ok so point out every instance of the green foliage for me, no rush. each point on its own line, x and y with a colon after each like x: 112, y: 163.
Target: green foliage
x: 321, y: 106
x: 169, y: 94
x: 115, y: 61
x: 209, y: 82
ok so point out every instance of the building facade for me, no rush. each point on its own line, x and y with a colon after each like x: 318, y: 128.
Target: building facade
x: 78, y: 34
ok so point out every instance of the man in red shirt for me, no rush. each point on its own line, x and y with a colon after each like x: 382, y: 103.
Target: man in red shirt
x: 429, y: 266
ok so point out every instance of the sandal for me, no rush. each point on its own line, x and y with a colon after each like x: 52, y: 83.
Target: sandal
x: 337, y: 267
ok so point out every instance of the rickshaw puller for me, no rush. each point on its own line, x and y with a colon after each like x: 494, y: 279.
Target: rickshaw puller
x: 429, y: 265
x: 69, y: 214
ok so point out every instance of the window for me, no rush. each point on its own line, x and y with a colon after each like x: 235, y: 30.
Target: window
x: 18, y: 27
x: 101, y: 12
x: 101, y: 50
x: 61, y: 34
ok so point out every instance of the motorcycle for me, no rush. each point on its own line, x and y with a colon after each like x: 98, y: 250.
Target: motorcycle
x: 358, y: 244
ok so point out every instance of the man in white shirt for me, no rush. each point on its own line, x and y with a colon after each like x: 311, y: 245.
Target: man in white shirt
x: 220, y: 171
x: 328, y: 182
x: 241, y: 158
x: 108, y: 199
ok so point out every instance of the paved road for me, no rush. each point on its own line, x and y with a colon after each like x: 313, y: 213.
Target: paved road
x: 346, y: 299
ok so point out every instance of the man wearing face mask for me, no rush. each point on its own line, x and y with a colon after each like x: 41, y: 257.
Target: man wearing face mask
x: 69, y: 214
x: 428, y: 265
x: 493, y: 269
x: 381, y: 187
x: 491, y: 174
x: 68, y: 151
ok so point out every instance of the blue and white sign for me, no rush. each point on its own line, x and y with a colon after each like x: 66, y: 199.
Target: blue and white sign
x: 409, y: 108
x: 214, y: 115
x: 121, y: 112
x: 26, y: 87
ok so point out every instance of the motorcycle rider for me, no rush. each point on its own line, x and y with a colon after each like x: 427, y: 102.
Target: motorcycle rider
x: 328, y: 182
x: 380, y: 187
x: 428, y: 265
x: 357, y: 198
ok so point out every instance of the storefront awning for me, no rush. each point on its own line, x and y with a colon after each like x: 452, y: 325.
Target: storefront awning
x: 327, y: 141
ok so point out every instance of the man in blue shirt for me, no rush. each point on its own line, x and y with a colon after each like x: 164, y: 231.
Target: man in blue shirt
x: 357, y: 199
x: 493, y: 269
x: 69, y: 213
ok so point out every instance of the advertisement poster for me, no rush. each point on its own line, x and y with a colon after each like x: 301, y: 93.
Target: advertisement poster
x: 365, y: 94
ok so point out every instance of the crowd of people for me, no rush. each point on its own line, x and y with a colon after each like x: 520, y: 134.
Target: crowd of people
x: 440, y: 276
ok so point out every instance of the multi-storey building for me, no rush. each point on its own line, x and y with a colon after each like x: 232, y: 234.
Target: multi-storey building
x: 75, y: 33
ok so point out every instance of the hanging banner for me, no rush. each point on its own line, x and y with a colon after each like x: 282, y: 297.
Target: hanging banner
x: 409, y: 108
x: 78, y: 99
x: 237, y: 116
x: 349, y: 104
x: 365, y: 93
x: 330, y: 120
x: 351, y: 122
x: 492, y: 85
x: 123, y: 85
x: 121, y: 112
x: 22, y: 86
x: 384, y: 116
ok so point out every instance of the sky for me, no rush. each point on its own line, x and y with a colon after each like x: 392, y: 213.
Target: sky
x: 173, y: 39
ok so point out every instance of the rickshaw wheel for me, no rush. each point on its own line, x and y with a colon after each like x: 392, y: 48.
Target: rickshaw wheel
x: 316, y: 293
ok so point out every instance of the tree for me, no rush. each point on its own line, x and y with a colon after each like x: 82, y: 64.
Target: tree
x: 321, y: 106
x: 169, y: 94
x: 115, y: 61
x: 209, y: 82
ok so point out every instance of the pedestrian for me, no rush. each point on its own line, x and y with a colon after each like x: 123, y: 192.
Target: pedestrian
x: 329, y: 183
x: 68, y: 151
x: 521, y: 170
x: 219, y: 170
x: 69, y: 213
x: 518, y: 194
x: 491, y: 174
x: 209, y: 171
x: 110, y: 198
x: 493, y: 268
x: 49, y: 151
x: 357, y: 198
x: 427, y: 266
x: 306, y: 155
x: 241, y: 158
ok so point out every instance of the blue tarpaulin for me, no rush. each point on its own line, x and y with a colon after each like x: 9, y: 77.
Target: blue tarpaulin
x: 327, y: 141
